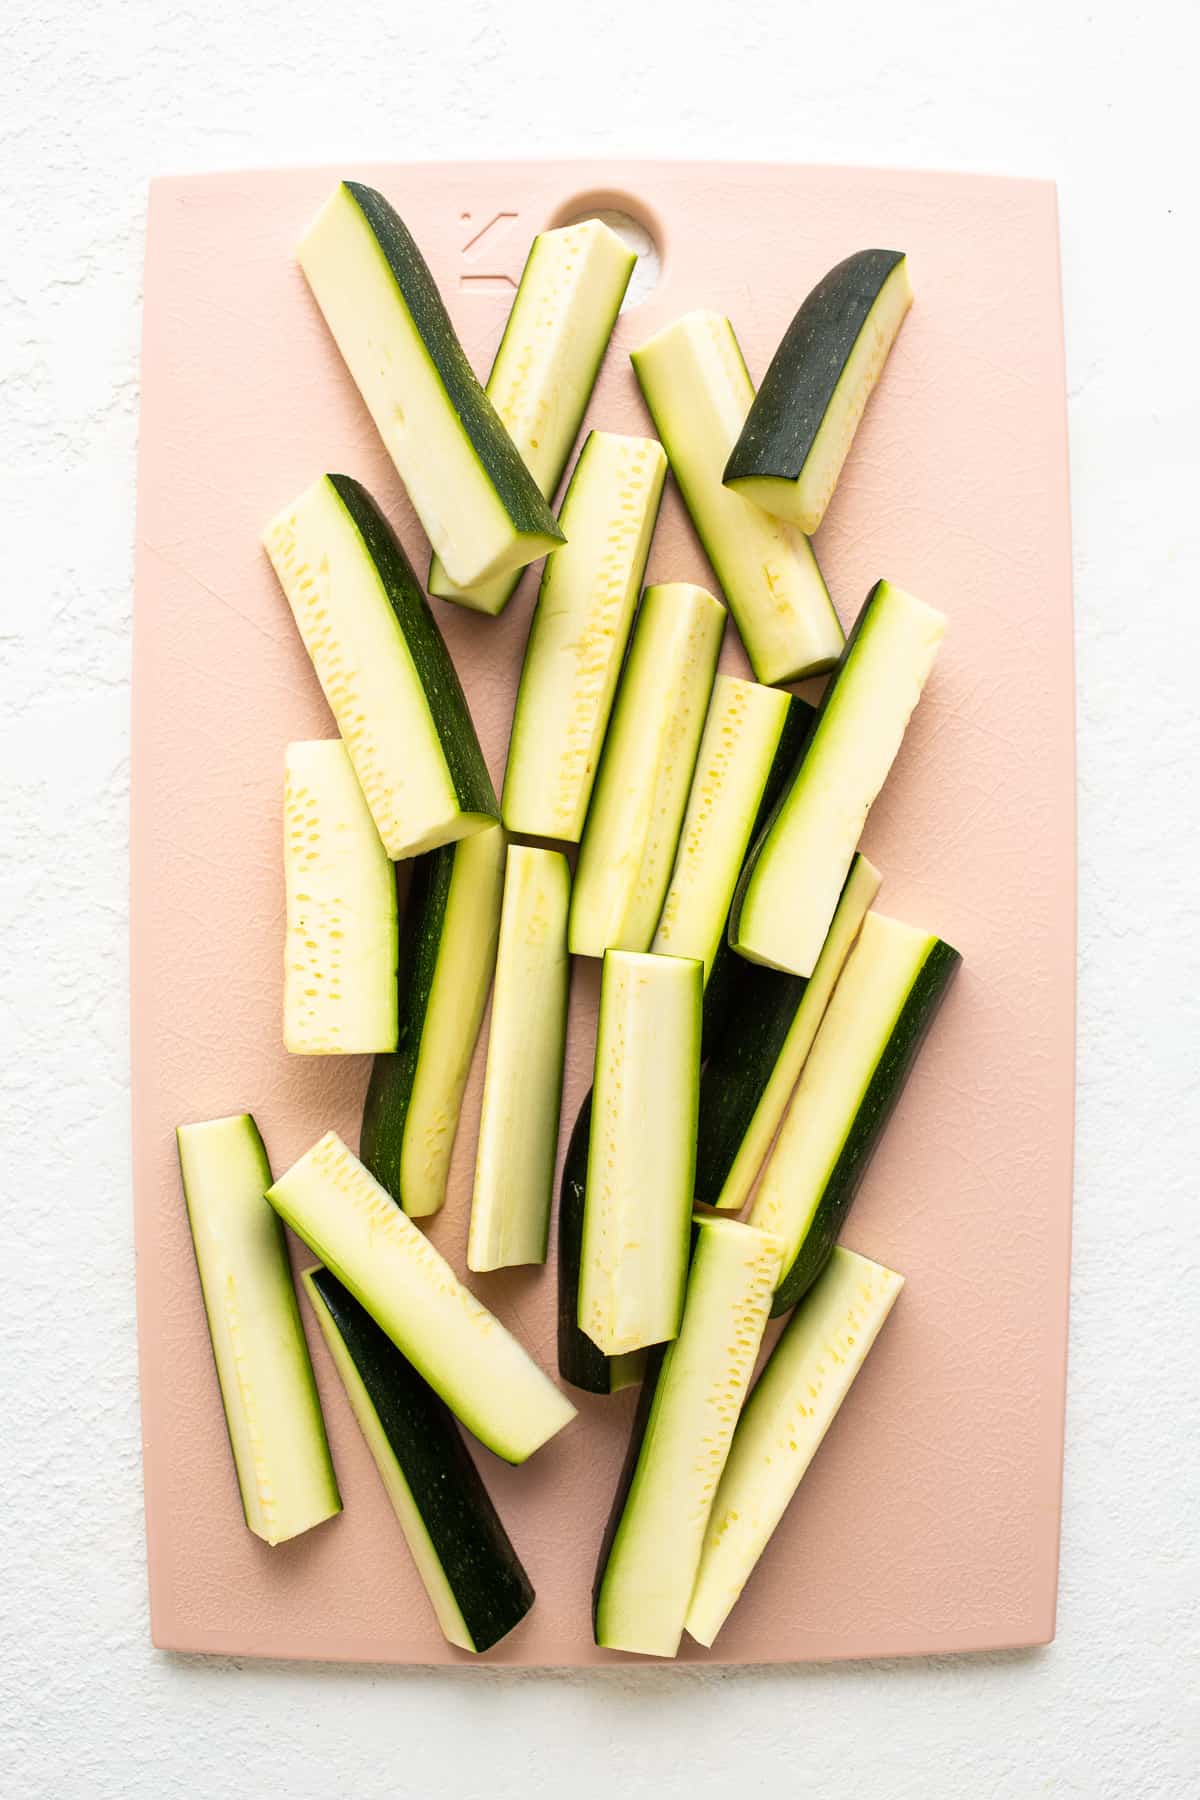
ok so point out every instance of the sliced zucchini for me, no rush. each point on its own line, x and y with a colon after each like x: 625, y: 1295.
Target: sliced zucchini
x: 482, y: 509
x: 339, y: 986
x: 891, y: 987
x: 447, y: 955
x: 522, y: 1087
x: 794, y: 1402
x: 728, y: 971
x: 383, y: 666
x: 276, y: 1431
x: 801, y: 425
x: 756, y: 1061
x: 790, y: 886
x: 695, y: 383
x: 577, y: 639
x: 656, y: 1534
x: 646, y: 768
x: 750, y: 731
x: 579, y: 1361
x: 545, y: 369
x: 641, y: 1151
x: 465, y: 1354
x: 470, y: 1571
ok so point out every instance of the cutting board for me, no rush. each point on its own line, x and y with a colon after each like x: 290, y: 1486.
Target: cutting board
x: 929, y: 1521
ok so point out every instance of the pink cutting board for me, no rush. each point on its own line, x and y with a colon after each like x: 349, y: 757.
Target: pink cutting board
x: 929, y: 1521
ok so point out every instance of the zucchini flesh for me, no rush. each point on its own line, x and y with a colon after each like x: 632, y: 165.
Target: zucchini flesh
x: 577, y: 639
x: 794, y: 1402
x: 790, y: 886
x: 645, y: 771
x: 579, y: 1361
x: 470, y: 1571
x: 889, y: 993
x: 745, y: 726
x: 697, y: 388
x: 756, y: 1062
x: 802, y: 423
x: 649, y: 1560
x: 522, y: 1087
x: 546, y: 367
x: 339, y: 987
x: 447, y: 955
x: 276, y: 1432
x: 482, y: 510
x: 383, y: 667
x: 465, y: 1354
x: 641, y: 1151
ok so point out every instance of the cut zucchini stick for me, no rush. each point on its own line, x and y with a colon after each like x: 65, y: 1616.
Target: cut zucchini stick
x: 767, y: 1034
x: 472, y: 1574
x: 695, y: 383
x: 447, y: 955
x: 463, y: 1351
x: 339, y: 986
x: 522, y: 1087
x: 645, y: 771
x: 579, y: 1361
x: 729, y: 971
x: 641, y: 1151
x: 797, y: 869
x: 749, y: 732
x: 889, y: 993
x: 482, y: 509
x: 651, y: 1553
x: 577, y: 640
x: 562, y: 318
x: 795, y: 1401
x: 276, y: 1431
x: 384, y: 669
x: 800, y: 428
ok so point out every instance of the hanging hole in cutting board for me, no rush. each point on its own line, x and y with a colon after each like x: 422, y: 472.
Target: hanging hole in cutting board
x: 634, y: 231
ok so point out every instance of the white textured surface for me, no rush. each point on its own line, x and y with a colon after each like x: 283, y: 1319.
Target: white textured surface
x: 93, y: 101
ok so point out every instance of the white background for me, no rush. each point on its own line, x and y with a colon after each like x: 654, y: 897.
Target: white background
x: 95, y: 99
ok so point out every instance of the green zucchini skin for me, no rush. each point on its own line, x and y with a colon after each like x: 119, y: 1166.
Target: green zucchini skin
x: 490, y: 1586
x: 519, y: 493
x: 794, y: 398
x: 758, y: 1018
x: 447, y: 703
x: 393, y: 1072
x: 389, y: 1091
x: 878, y: 1104
x: 727, y: 975
x: 579, y: 1361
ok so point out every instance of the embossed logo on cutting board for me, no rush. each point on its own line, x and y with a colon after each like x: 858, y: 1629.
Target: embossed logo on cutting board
x: 485, y: 252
